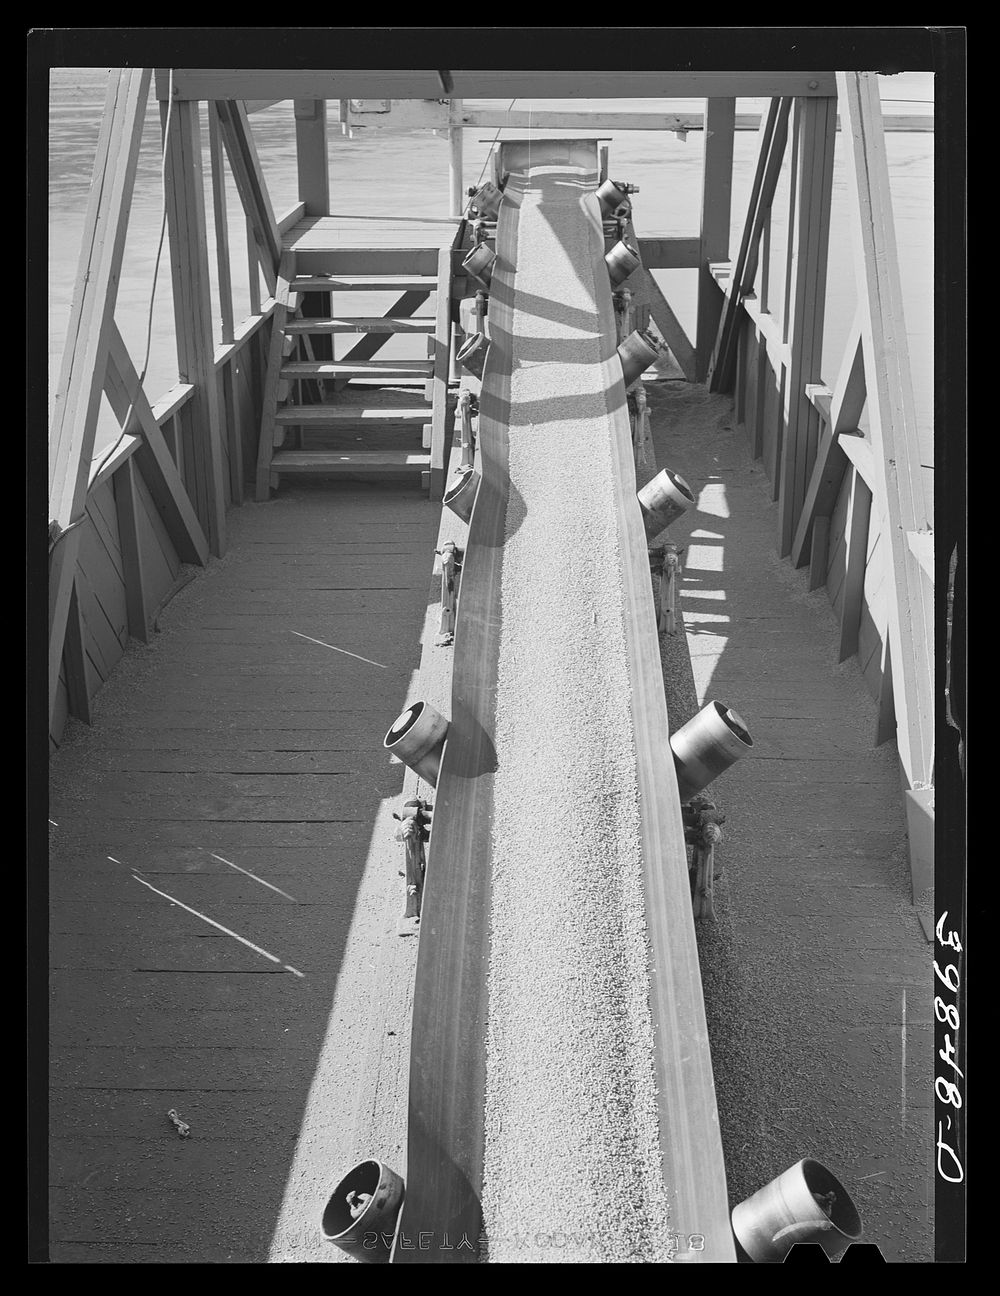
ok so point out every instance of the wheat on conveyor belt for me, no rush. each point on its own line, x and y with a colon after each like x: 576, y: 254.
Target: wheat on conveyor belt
x: 572, y: 1167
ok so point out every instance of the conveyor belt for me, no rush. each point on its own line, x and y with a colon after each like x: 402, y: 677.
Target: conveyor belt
x: 441, y: 1217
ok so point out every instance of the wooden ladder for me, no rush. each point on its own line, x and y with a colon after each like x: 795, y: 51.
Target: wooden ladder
x: 322, y: 417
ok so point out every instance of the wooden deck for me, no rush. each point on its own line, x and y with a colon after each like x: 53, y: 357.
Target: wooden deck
x: 236, y: 766
x: 815, y: 973
x: 384, y: 245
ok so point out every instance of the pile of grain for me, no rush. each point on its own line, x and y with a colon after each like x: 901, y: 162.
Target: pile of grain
x: 572, y: 1160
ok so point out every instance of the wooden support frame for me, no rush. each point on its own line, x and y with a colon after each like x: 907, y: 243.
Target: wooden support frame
x: 245, y: 166
x: 160, y: 473
x: 847, y: 402
x: 269, y: 399
x: 312, y: 156
x: 439, y: 382
x: 805, y: 286
x: 126, y: 508
x: 91, y: 321
x: 885, y: 727
x: 193, y: 309
x: 646, y: 293
x: 456, y: 193
x: 75, y: 656
x: 221, y: 226
x: 716, y: 206
x: 892, y: 424
x: 669, y: 253
x: 856, y: 541
x: 403, y: 307
x: 819, y: 553
x: 773, y: 137
x: 253, y: 268
x: 348, y: 83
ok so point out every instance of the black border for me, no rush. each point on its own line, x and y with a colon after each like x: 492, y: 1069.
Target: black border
x: 883, y: 49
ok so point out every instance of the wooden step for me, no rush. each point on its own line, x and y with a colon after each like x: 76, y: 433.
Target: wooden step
x: 327, y: 462
x: 361, y: 324
x: 364, y: 283
x: 350, y: 414
x: 376, y: 369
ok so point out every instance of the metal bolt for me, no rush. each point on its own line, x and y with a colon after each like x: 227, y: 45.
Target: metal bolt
x: 813, y: 85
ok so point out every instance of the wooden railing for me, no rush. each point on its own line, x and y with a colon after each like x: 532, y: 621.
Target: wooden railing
x: 124, y: 522
x: 850, y: 504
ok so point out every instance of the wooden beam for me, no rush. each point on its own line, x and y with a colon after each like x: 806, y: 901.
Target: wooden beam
x: 272, y: 377
x: 91, y: 320
x: 772, y: 147
x: 312, y: 156
x: 885, y: 727
x: 819, y: 555
x: 856, y: 541
x: 381, y: 83
x: 126, y: 508
x: 403, y: 307
x: 846, y: 404
x: 193, y: 309
x: 249, y: 177
x: 892, y: 423
x: 646, y: 294
x: 439, y: 384
x: 660, y: 252
x: 716, y: 206
x: 858, y: 450
x: 229, y: 414
x: 221, y: 225
x: 809, y: 239
x: 253, y: 268
x: 75, y: 656
x: 922, y: 547
x: 456, y: 191
x: 678, y: 122
x: 161, y: 475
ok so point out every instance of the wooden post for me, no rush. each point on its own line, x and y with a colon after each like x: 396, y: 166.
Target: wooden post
x: 245, y: 166
x: 846, y: 403
x: 441, y: 355
x: 91, y: 322
x: 221, y: 225
x: 716, y: 207
x: 272, y: 378
x: 456, y: 192
x: 773, y: 136
x: 885, y: 728
x: 819, y: 553
x: 805, y: 289
x: 193, y: 308
x: 128, y: 532
x: 253, y: 269
x: 312, y: 156
x: 856, y: 543
x: 77, y: 675
x: 892, y: 423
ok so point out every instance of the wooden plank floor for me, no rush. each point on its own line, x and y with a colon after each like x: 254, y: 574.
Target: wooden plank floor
x: 816, y: 971
x: 237, y: 768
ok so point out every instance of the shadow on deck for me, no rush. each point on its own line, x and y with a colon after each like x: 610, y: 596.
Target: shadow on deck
x: 815, y: 972
x: 235, y: 765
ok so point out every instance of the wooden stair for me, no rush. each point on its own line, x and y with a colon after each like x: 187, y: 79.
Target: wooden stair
x: 346, y: 415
